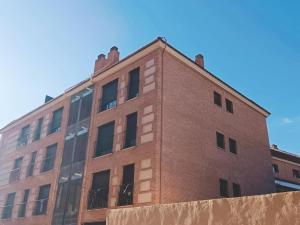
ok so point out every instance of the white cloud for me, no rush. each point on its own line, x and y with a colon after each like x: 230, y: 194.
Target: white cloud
x: 287, y: 120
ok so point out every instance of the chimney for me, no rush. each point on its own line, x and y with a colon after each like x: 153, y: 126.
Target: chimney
x: 100, y: 62
x: 103, y: 63
x: 199, y: 60
x: 113, y: 55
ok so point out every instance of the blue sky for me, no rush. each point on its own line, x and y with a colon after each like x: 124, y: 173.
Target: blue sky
x: 47, y: 46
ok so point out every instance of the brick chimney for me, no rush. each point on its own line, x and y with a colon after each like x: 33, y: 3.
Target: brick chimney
x: 103, y: 63
x: 199, y: 60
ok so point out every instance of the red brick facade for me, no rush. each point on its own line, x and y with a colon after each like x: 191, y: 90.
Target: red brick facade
x: 176, y: 157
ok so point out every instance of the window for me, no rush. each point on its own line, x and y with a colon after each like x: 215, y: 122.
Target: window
x: 229, y: 106
x: 38, y: 130
x: 130, y: 139
x: 80, y: 148
x: 68, y: 152
x: 86, y: 104
x: 134, y: 82
x: 30, y: 167
x: 223, y: 188
x: 74, y: 110
x: 81, y: 105
x: 275, y: 168
x: 49, y: 159
x: 220, y: 140
x: 15, y: 172
x: 232, y: 146
x: 42, y: 202
x: 23, y: 204
x: 109, y: 96
x: 296, y: 174
x: 236, y: 188
x: 217, y: 99
x: 23, y: 139
x: 126, y: 188
x: 8, y: 207
x: 105, y: 139
x: 56, y: 121
x: 98, y: 195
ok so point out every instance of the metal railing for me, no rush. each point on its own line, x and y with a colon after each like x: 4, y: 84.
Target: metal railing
x: 126, y: 194
x: 98, y: 198
x: 14, y: 175
x: 40, y: 207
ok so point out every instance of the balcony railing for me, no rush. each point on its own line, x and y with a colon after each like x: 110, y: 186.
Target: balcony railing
x: 106, y: 106
x: 126, y: 194
x: 98, y: 198
x: 40, y: 207
x: 48, y: 164
x: 14, y: 175
x: 23, y: 140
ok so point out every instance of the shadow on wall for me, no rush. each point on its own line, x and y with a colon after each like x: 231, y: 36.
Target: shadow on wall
x: 272, y: 209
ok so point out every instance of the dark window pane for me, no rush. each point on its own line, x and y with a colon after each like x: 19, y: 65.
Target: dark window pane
x: 68, y: 152
x: 49, y: 159
x: 127, y: 186
x: 236, y: 190
x: 80, y: 148
x: 223, y: 188
x: 134, y: 82
x: 232, y: 146
x: 229, y: 106
x: 15, y: 172
x: 38, y: 130
x: 23, y: 204
x: 217, y: 99
x: 86, y: 106
x: 56, y: 121
x: 220, y: 140
x: 30, y: 167
x: 131, y: 126
x: 23, y: 139
x: 98, y: 195
x: 105, y: 139
x: 275, y: 168
x: 42, y: 201
x: 296, y: 174
x: 8, y: 207
x: 109, y: 95
x: 74, y: 110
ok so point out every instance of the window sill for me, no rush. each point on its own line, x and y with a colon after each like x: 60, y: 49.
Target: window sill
x: 106, y: 110
x: 92, y: 210
x: 131, y: 99
x: 102, y: 156
x: 223, y: 149
x: 129, y: 148
x: 47, y: 171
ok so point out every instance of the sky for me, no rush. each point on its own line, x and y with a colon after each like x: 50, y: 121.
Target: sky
x: 254, y: 45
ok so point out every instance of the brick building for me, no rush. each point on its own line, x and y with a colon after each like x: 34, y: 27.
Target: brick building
x: 286, y: 169
x: 154, y: 127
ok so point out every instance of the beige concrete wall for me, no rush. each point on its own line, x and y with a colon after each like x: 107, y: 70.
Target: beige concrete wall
x: 272, y: 209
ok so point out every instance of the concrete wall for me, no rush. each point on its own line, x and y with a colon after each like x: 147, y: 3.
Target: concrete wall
x: 275, y: 209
